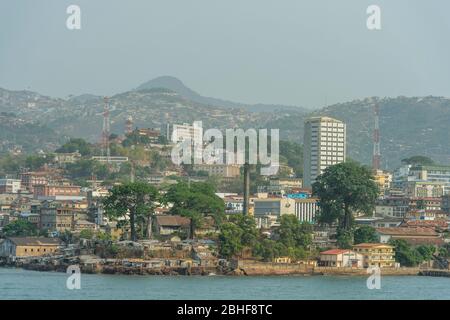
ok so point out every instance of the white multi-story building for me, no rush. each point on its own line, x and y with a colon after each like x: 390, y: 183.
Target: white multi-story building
x: 10, y: 185
x: 324, y: 145
x: 306, y: 209
x: 182, y: 132
x: 438, y: 174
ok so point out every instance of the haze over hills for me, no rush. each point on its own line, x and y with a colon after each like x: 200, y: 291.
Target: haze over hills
x: 178, y: 86
x: 409, y: 125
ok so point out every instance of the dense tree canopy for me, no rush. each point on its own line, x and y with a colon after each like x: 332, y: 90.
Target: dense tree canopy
x: 136, y: 201
x: 80, y: 145
x: 20, y: 228
x: 365, y: 234
x: 419, y: 160
x: 343, y: 189
x: 195, y: 200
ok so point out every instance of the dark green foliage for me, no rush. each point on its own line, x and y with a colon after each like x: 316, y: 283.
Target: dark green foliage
x: 365, y: 234
x: 80, y: 145
x: 135, y: 138
x: 344, y: 238
x: 292, y: 153
x: 343, y: 189
x: 236, y: 234
x: 136, y: 200
x: 195, y: 201
x: 86, y: 168
x: 293, y: 233
x: 409, y: 256
x: 20, y: 228
x: 419, y: 160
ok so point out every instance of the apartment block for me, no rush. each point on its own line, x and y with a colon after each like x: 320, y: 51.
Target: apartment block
x: 324, y: 146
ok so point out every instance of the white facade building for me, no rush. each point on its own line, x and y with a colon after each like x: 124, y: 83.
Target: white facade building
x: 324, y: 145
x: 306, y: 209
x: 10, y: 185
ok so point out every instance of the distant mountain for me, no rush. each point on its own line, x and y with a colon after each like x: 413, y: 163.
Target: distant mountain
x: 85, y: 98
x: 409, y: 125
x: 178, y: 86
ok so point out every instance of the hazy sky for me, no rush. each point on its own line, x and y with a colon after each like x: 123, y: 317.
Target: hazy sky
x: 287, y: 51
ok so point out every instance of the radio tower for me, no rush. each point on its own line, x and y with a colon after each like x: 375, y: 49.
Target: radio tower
x: 129, y: 125
x: 376, y: 138
x: 105, y: 133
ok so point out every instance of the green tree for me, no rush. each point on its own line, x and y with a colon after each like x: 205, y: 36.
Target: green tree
x: 86, y: 234
x: 86, y: 168
x: 236, y: 234
x: 344, y: 238
x: 74, y: 145
x: 293, y: 233
x: 195, y: 201
x: 365, y: 234
x: 426, y: 252
x: 269, y: 249
x: 343, y: 189
x: 404, y: 254
x: 136, y: 200
x: 35, y: 162
x: 230, y: 243
x: 66, y: 236
x: 419, y: 160
x: 20, y: 228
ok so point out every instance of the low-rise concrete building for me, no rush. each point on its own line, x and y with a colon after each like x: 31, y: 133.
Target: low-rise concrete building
x: 341, y: 258
x: 28, y: 247
x: 168, y: 224
x: 376, y: 254
x: 414, y: 236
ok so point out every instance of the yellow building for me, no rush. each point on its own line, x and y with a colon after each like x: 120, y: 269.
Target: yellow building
x: 383, y: 179
x: 376, y: 254
x: 29, y: 247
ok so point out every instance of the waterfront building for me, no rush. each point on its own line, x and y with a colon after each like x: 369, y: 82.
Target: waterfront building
x: 324, y: 145
x: 341, y: 258
x: 376, y: 254
x: 28, y: 247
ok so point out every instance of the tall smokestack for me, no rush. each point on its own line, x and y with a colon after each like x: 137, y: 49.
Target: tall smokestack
x: 246, y: 188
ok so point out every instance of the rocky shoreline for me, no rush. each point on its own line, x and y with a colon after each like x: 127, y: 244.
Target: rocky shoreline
x: 263, y: 269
